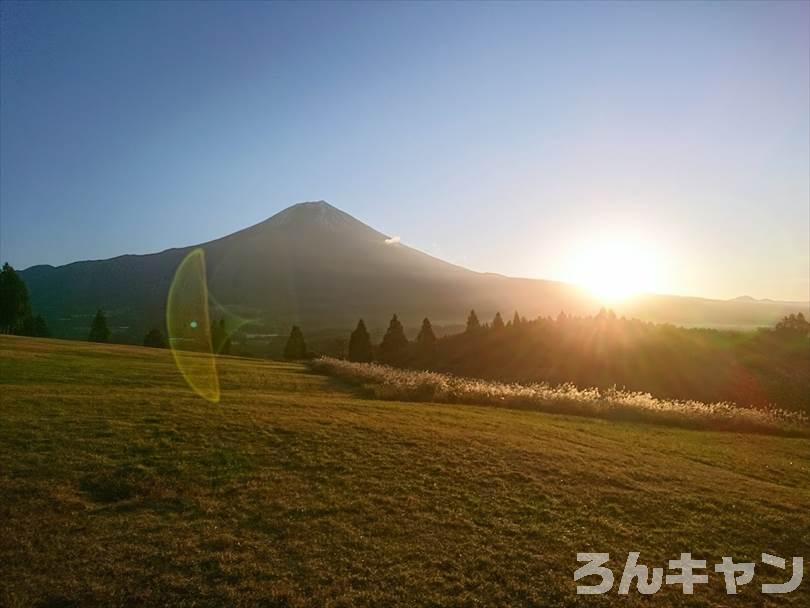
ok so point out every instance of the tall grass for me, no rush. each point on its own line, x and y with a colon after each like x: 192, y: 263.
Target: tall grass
x: 385, y: 382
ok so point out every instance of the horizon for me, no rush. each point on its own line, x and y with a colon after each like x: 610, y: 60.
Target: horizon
x: 398, y: 241
x: 670, y: 138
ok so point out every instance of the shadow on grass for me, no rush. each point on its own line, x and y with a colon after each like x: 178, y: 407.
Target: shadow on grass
x: 339, y: 384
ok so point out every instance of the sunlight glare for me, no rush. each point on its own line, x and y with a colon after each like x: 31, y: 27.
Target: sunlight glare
x: 615, y: 267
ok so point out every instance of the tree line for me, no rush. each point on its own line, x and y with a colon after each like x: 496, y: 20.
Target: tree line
x: 767, y: 366
x: 395, y: 348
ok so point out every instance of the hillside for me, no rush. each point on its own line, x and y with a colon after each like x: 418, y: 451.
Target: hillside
x: 317, y: 266
x: 119, y: 487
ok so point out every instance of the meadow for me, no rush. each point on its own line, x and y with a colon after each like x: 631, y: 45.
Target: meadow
x: 120, y: 487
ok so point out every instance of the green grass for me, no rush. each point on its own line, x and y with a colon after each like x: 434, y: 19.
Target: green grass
x: 119, y: 487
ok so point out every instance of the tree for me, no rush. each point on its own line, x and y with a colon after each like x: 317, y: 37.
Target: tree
x: 360, y: 344
x: 497, y: 322
x: 34, y: 326
x: 295, y: 348
x: 15, y: 305
x: 41, y: 327
x: 794, y: 324
x: 99, y: 332
x: 217, y: 336
x: 426, y: 339
x: 220, y: 341
x: 394, y: 341
x: 473, y: 324
x: 516, y: 320
x: 225, y: 349
x: 154, y: 338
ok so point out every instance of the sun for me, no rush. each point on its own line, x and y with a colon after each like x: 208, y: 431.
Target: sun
x: 615, y: 267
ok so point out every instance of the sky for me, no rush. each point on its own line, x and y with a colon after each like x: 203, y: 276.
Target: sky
x: 516, y: 138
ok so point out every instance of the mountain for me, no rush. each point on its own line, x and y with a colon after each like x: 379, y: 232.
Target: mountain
x: 319, y: 267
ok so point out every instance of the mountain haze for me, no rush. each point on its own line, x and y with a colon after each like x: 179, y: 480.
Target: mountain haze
x: 314, y: 265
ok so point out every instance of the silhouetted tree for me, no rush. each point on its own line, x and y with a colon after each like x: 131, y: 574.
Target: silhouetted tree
x: 220, y: 340
x: 15, y: 305
x: 295, y: 348
x: 794, y: 324
x: 497, y: 322
x: 154, y: 338
x: 516, y: 320
x: 225, y: 349
x: 394, y: 342
x: 217, y: 336
x: 473, y: 324
x: 426, y: 339
x: 41, y: 327
x: 34, y: 326
x: 99, y: 332
x: 360, y: 344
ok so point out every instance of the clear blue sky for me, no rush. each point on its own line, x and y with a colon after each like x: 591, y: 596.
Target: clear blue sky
x: 500, y: 136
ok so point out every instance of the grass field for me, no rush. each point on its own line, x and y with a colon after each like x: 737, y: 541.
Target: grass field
x: 120, y: 487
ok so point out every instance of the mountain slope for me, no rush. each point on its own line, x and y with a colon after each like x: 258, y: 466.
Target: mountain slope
x: 315, y: 265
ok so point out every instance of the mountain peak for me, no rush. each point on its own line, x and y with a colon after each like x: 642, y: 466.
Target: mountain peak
x: 312, y: 205
x: 309, y: 209
x: 319, y: 214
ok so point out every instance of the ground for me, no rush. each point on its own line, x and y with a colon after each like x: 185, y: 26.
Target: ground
x: 120, y: 487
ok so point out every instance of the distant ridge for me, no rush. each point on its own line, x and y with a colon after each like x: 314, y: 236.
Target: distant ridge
x: 315, y: 265
x: 766, y: 300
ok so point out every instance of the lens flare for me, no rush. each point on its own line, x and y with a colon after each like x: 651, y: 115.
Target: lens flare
x: 189, y: 327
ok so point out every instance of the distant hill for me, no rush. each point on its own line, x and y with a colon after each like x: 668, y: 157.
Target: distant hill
x: 317, y: 266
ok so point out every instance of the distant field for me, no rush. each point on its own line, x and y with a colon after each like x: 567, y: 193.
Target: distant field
x: 119, y: 487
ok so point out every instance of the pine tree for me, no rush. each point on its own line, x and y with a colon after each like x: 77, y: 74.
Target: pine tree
x: 41, y: 327
x: 225, y: 349
x: 99, y: 332
x: 220, y: 341
x: 154, y: 338
x: 473, y: 324
x: 216, y: 336
x: 295, y: 348
x: 516, y: 320
x: 497, y: 322
x: 360, y: 344
x: 26, y: 328
x: 426, y: 339
x: 394, y: 342
x: 15, y: 305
